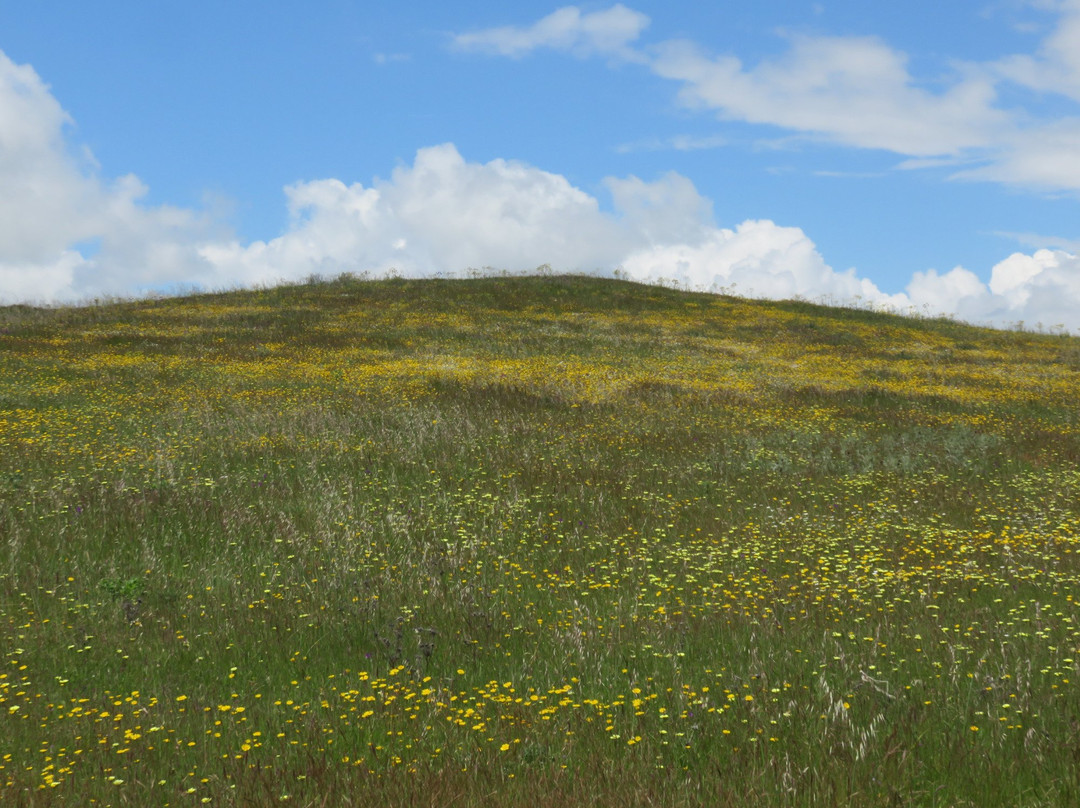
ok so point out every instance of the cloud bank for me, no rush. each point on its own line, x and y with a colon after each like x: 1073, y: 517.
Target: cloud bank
x: 66, y: 234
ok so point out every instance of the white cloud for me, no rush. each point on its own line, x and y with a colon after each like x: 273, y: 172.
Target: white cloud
x: 442, y: 214
x: 51, y: 202
x: 46, y: 201
x: 852, y: 90
x: 1046, y: 157
x: 607, y: 32
x: 916, y: 163
x: 1055, y: 66
x: 757, y: 259
x: 39, y: 281
x: 1040, y: 240
x: 667, y: 211
x: 939, y: 294
x: 1038, y: 289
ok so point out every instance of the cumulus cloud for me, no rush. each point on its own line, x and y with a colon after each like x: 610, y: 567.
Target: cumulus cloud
x: 607, y: 32
x: 666, y: 211
x: 757, y: 259
x: 440, y: 215
x: 1038, y: 289
x: 52, y: 202
x: 31, y: 137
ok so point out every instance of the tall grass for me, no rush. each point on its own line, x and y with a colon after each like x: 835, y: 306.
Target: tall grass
x: 544, y: 541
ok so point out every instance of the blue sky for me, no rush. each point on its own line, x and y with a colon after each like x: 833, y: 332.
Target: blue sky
x: 922, y: 155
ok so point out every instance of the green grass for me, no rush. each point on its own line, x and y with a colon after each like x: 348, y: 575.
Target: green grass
x: 534, y: 541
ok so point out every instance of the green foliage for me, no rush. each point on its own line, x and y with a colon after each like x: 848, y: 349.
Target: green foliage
x: 129, y: 589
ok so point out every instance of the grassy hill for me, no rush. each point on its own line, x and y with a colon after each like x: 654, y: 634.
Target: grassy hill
x: 544, y: 541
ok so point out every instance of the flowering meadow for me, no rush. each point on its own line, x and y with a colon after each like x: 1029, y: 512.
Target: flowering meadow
x: 534, y: 541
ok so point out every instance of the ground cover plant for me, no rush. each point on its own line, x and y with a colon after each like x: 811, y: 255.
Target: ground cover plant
x: 545, y: 541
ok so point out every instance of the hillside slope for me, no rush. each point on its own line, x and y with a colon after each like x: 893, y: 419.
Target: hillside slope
x: 388, y: 542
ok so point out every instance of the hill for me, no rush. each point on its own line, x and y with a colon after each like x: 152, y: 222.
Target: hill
x: 544, y: 540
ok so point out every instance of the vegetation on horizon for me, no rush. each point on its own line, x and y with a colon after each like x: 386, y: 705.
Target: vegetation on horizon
x: 545, y: 541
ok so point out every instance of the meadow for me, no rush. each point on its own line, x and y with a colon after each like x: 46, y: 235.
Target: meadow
x: 538, y: 541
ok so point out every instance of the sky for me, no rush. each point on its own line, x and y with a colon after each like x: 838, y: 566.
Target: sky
x: 920, y: 157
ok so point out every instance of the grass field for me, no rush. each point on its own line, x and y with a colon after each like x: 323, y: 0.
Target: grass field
x: 534, y: 541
